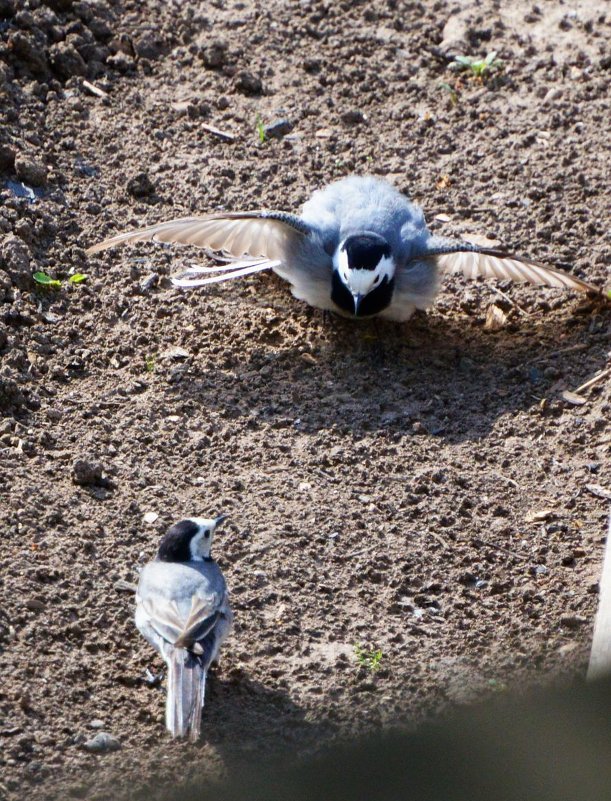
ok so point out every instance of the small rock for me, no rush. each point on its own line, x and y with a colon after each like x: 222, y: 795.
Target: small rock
x: 86, y: 473
x: 177, y: 354
x: 140, y: 185
x: 31, y: 172
x: 573, y: 621
x: 96, y: 724
x: 35, y: 604
x: 150, y: 45
x: 66, y: 61
x: 15, y: 260
x: 150, y: 517
x: 353, y: 117
x: 149, y: 282
x: 102, y: 743
x: 214, y: 55
x: 10, y: 394
x: 7, y: 158
x: 121, y: 62
x: 248, y: 83
x: 25, y: 49
x: 312, y: 65
x: 277, y: 129
x: 555, y: 93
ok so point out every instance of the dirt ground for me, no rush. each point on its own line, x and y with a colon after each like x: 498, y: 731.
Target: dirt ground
x: 421, y: 489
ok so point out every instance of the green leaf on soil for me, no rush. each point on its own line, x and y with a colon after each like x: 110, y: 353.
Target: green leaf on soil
x: 45, y: 280
x: 77, y: 278
x: 260, y: 129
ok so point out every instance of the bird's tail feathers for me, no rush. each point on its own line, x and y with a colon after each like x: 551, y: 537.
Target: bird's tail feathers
x: 185, y: 693
x: 233, y: 269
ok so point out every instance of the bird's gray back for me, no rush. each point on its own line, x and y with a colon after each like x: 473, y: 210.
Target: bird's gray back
x: 357, y: 204
x: 180, y: 581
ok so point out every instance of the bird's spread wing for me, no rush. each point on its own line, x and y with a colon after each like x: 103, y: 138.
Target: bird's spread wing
x: 474, y: 262
x: 166, y: 619
x: 266, y: 234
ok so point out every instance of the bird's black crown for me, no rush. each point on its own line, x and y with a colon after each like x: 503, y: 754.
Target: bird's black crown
x: 364, y: 251
x: 175, y: 545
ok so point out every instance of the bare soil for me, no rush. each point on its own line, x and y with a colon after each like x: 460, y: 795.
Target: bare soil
x: 420, y: 489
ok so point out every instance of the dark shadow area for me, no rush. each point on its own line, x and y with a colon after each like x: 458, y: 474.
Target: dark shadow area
x: 247, y: 720
x: 432, y: 376
x: 549, y: 746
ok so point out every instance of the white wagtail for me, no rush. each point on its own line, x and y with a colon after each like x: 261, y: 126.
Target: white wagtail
x: 182, y: 609
x: 359, y: 248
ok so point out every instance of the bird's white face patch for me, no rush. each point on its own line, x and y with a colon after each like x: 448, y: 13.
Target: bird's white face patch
x: 362, y: 282
x: 201, y: 542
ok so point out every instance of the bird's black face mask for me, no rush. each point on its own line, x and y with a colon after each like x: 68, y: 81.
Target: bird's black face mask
x: 372, y: 303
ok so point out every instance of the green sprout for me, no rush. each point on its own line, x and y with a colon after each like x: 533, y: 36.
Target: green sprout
x: 478, y: 67
x: 54, y: 283
x: 149, y: 363
x: 452, y: 93
x: 260, y: 129
x: 368, y: 659
x: 45, y: 280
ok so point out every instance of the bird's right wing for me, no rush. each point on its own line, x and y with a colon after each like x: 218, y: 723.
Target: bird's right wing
x: 258, y: 234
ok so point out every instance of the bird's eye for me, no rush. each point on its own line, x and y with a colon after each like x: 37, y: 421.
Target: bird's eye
x: 377, y: 280
x: 207, y: 533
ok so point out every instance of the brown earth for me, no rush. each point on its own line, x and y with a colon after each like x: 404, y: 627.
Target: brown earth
x: 420, y: 489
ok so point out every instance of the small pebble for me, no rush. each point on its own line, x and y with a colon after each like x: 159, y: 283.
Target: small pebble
x: 140, y: 185
x: 248, y: 84
x: 353, y: 117
x: 102, y: 743
x: 31, y: 172
x: 277, y: 129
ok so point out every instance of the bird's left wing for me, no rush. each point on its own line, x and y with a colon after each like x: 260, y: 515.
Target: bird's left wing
x: 266, y: 234
x: 474, y: 261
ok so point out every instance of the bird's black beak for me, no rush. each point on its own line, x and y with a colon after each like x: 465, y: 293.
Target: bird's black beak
x: 218, y: 520
x: 357, y: 302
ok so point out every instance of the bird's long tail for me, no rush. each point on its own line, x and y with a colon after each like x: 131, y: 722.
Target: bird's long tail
x: 231, y: 268
x: 185, y: 694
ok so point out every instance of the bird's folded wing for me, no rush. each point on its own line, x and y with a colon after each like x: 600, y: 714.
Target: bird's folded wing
x: 167, y: 620
x: 474, y: 263
x: 264, y: 233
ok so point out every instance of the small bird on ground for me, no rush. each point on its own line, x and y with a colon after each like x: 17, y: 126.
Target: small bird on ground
x: 182, y: 609
x: 360, y: 248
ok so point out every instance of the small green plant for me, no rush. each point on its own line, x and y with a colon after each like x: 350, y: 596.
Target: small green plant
x: 45, y: 280
x: 452, y: 93
x: 478, y: 67
x: 149, y: 363
x: 54, y: 283
x: 368, y: 659
x: 260, y: 129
